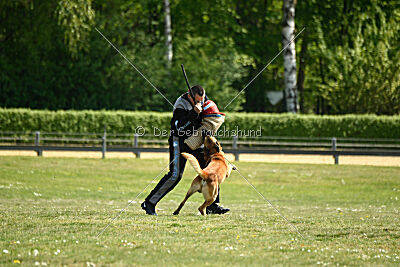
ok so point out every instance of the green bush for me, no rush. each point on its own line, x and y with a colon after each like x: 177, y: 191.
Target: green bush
x: 359, y: 126
x: 87, y: 121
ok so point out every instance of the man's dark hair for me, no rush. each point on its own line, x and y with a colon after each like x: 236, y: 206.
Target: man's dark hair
x: 197, y: 90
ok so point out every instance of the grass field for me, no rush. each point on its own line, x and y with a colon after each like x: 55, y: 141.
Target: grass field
x: 53, y: 208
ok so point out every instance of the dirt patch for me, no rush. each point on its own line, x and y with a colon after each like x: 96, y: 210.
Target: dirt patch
x: 347, y: 160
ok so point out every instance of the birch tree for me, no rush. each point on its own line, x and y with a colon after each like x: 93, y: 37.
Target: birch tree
x: 76, y: 18
x: 168, y: 34
x: 289, y: 56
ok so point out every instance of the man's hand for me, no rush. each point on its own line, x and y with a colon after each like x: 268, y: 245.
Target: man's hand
x: 198, y: 108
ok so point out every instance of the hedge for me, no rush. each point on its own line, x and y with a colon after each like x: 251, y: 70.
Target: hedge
x: 88, y: 121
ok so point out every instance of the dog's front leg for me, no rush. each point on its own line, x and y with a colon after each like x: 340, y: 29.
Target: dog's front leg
x: 230, y: 168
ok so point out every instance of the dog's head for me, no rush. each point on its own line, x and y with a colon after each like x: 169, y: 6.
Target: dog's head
x: 211, y: 146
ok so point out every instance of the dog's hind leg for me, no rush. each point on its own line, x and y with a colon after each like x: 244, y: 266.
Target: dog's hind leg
x: 206, y: 203
x: 195, y: 187
x: 210, y: 193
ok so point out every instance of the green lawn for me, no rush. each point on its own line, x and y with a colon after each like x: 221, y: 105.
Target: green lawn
x: 53, y: 208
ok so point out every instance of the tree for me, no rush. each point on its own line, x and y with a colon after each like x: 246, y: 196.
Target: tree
x: 357, y: 55
x: 349, y: 58
x: 289, y: 56
x: 76, y: 18
x: 168, y: 34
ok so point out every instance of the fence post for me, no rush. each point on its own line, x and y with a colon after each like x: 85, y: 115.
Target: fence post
x: 235, y: 146
x: 335, y: 155
x: 136, y: 144
x: 104, y: 143
x: 37, y: 143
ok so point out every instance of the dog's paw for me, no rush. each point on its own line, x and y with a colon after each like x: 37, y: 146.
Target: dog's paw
x: 176, y: 213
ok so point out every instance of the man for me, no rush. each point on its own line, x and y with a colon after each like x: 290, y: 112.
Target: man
x: 187, y: 116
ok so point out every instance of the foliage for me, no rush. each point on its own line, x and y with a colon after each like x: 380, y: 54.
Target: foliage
x: 75, y: 17
x: 356, y: 56
x: 51, y: 56
x: 361, y: 126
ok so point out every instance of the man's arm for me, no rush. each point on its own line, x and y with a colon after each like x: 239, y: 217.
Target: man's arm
x: 184, y: 118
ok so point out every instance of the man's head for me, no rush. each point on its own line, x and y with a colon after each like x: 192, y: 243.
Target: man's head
x: 198, y: 93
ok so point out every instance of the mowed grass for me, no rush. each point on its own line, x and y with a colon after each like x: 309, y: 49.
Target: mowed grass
x: 53, y: 208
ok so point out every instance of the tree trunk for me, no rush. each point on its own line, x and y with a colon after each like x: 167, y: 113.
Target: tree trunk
x: 168, y: 34
x: 321, y: 100
x: 302, y: 67
x: 289, y: 56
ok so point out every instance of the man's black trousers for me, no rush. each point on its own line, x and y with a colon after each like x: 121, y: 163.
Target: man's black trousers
x: 176, y: 168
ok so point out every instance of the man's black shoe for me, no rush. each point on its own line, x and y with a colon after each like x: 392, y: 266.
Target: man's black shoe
x: 149, y: 208
x: 216, y: 209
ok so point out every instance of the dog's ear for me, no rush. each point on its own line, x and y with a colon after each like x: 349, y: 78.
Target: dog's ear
x: 217, y: 147
x: 207, y: 133
x: 204, y: 134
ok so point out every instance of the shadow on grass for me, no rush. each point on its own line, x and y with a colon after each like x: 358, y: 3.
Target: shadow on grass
x: 331, y: 236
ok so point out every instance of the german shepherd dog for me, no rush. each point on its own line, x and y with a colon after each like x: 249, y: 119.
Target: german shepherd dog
x: 209, y: 179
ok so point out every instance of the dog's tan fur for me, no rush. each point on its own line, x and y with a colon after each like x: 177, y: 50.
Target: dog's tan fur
x: 209, y: 179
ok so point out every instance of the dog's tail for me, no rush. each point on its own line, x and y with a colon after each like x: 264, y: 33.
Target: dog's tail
x: 195, y: 164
